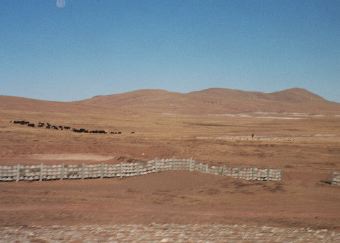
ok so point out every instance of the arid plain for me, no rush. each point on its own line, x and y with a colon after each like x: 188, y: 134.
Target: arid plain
x: 301, y: 136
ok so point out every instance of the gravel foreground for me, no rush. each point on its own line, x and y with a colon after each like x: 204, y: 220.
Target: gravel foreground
x: 164, y: 233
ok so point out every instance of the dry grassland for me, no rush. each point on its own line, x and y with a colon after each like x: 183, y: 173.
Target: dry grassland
x: 307, y: 149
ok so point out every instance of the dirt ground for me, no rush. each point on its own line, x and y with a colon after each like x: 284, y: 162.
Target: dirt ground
x: 306, y: 149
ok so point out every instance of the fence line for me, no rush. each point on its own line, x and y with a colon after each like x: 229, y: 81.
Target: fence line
x: 86, y: 171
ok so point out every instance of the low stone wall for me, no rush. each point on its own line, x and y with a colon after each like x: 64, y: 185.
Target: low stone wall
x: 85, y: 171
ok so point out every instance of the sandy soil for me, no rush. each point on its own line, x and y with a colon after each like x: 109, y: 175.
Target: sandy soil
x: 302, y: 199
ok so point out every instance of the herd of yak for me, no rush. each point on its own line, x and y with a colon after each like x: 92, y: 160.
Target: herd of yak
x: 58, y: 127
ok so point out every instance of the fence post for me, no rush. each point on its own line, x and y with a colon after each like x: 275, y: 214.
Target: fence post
x: 101, y: 171
x: 157, y: 166
x: 82, y: 171
x: 41, y: 171
x: 268, y: 173
x: 280, y: 174
x: 62, y: 171
x: 18, y: 173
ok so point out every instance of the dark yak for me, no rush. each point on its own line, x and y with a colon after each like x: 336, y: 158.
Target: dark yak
x: 80, y: 130
x: 98, y: 131
x: 21, y: 122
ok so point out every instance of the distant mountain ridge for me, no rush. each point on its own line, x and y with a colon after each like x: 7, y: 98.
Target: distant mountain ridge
x: 207, y: 101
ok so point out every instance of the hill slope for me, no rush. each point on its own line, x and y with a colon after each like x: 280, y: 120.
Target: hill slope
x: 217, y: 100
x: 209, y: 101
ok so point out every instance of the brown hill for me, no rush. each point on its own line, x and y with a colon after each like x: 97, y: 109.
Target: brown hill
x: 13, y: 103
x: 209, y: 101
x: 217, y: 101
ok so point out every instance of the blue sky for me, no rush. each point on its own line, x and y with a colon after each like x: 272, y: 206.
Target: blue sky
x: 92, y: 47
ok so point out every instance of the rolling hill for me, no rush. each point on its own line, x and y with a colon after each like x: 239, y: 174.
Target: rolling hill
x: 208, y: 101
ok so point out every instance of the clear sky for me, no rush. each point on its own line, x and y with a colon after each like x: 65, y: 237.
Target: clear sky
x: 53, y: 51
